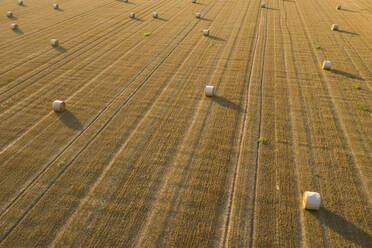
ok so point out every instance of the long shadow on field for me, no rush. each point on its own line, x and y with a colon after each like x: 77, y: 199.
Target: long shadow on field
x: 60, y: 10
x: 343, y: 227
x: 161, y: 19
x: 60, y: 49
x: 138, y: 19
x: 216, y: 38
x: 70, y: 120
x: 347, y: 32
x: 18, y: 31
x: 12, y: 18
x: 205, y: 19
x: 346, y: 74
x: 226, y: 103
x: 349, y: 10
x: 271, y: 8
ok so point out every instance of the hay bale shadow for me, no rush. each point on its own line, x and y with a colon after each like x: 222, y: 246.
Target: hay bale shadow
x: 205, y: 19
x: 161, y: 19
x: 346, y: 74
x: 18, y: 31
x: 224, y: 102
x: 343, y: 227
x: 347, y: 32
x: 215, y: 38
x: 138, y: 19
x: 70, y: 120
x: 349, y: 10
x: 60, y: 49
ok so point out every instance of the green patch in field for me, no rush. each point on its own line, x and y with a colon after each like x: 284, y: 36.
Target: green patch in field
x: 61, y: 163
x: 356, y: 87
x: 317, y: 47
x: 147, y: 34
x: 363, y: 107
x: 262, y: 140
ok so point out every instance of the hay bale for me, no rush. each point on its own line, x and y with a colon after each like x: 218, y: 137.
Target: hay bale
x: 209, y: 90
x: 338, y: 6
x: 311, y: 200
x: 193, y: 1
x: 206, y: 32
x: 55, y: 6
x: 197, y: 15
x: 54, y: 42
x: 155, y: 14
x: 132, y: 15
x: 20, y: 2
x: 125, y: 1
x: 334, y: 27
x: 327, y: 65
x: 59, y: 106
x: 263, y: 5
x: 9, y: 14
x: 13, y: 26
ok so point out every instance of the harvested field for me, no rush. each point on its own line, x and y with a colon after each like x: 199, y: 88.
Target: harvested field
x: 142, y: 158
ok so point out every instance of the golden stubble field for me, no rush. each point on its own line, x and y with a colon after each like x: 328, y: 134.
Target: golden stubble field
x: 142, y: 158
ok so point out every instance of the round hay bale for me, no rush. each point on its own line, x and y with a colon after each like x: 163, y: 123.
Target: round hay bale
x: 334, y: 27
x: 327, y: 65
x: 59, y: 106
x: 55, y: 6
x: 132, y: 15
x: 54, y: 42
x: 311, y: 200
x: 155, y: 14
x: 209, y: 90
x: 13, y: 26
x: 193, y: 1
x: 197, y: 15
x: 20, y: 2
x: 263, y: 5
x: 206, y: 32
x: 9, y: 14
x: 338, y: 6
